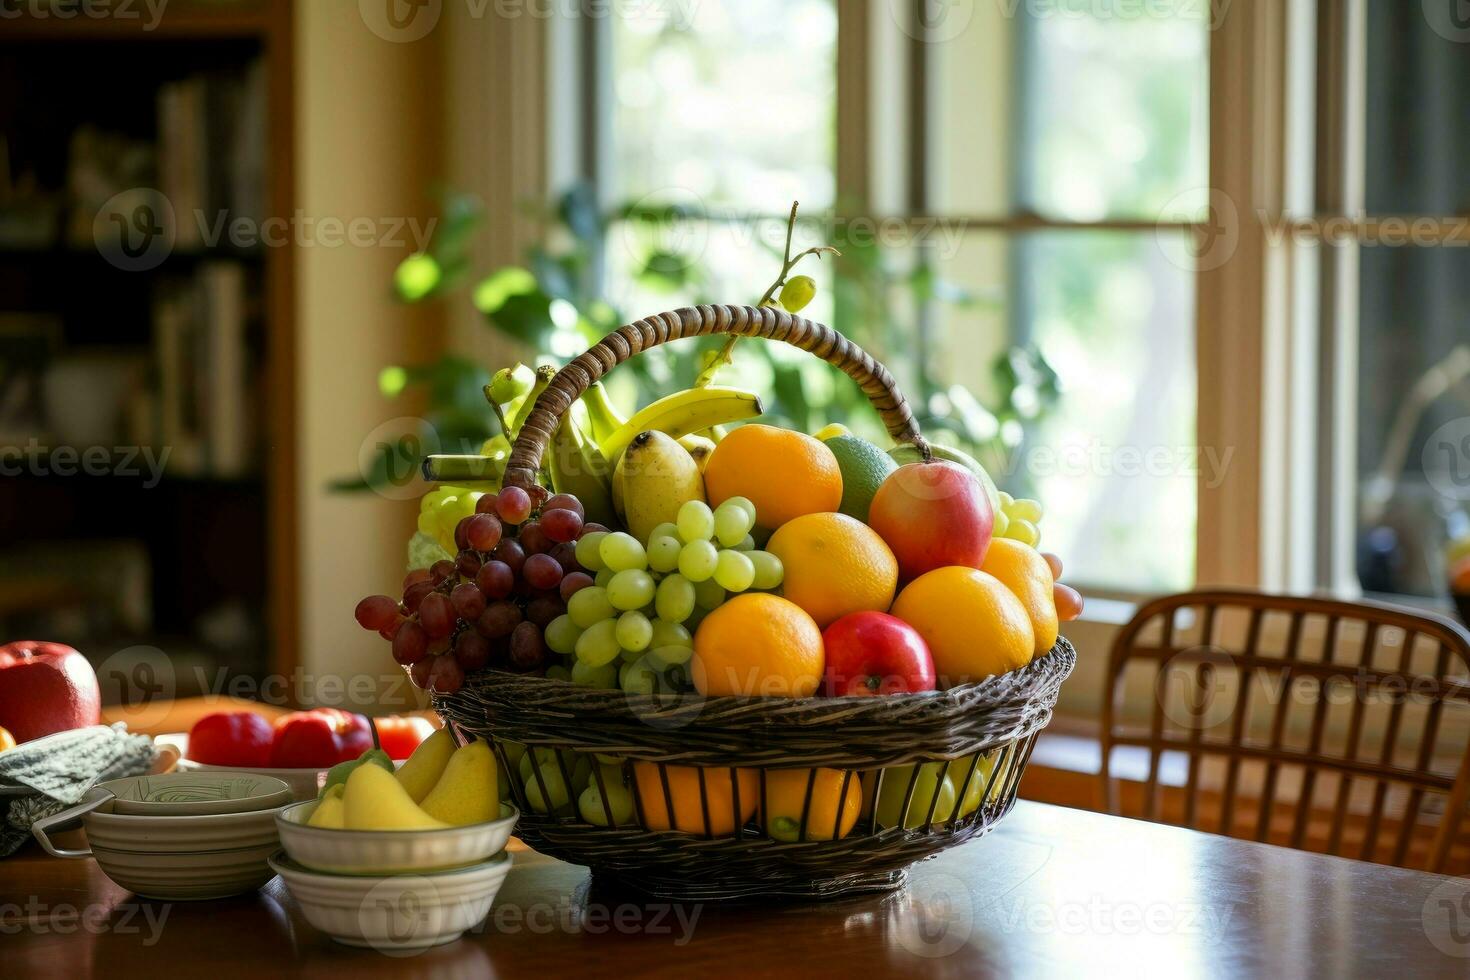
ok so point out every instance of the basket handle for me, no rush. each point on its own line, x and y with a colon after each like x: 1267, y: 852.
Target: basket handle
x: 745, y: 321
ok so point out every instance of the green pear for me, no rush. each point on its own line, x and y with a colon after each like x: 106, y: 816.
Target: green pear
x: 374, y: 800
x: 424, y: 767
x: 960, y: 768
x: 467, y: 792
x: 895, y: 787
x: 617, y: 808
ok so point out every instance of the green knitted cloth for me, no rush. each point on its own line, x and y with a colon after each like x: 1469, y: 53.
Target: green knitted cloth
x: 47, y: 775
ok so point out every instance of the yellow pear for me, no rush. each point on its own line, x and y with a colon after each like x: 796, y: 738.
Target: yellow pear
x: 467, y: 792
x: 374, y: 800
x: 654, y: 477
x: 423, y: 768
x: 329, y: 811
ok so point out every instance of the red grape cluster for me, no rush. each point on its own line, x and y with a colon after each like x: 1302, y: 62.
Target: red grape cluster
x: 489, y: 606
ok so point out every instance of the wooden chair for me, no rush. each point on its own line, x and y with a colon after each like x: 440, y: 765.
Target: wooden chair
x: 1249, y: 706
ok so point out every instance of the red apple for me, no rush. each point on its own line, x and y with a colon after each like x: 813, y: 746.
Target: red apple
x: 399, y: 735
x: 46, y: 688
x: 933, y: 515
x: 875, y: 653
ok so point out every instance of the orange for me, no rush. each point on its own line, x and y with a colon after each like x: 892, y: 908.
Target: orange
x: 784, y: 473
x: 835, y: 565
x: 757, y: 645
x: 689, y: 802
x: 1028, y: 575
x: 974, y: 625
x: 786, y: 797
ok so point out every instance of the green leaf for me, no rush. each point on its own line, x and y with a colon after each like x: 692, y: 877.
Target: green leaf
x: 665, y: 271
x: 556, y: 275
x: 496, y: 289
x: 578, y: 211
x: 526, y: 317
x: 462, y: 215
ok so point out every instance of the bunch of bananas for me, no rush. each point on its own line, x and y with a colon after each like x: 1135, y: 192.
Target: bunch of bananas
x: 594, y: 435
x: 584, y: 451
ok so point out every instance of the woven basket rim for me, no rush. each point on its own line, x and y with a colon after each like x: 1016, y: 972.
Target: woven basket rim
x: 846, y: 732
x: 993, y: 691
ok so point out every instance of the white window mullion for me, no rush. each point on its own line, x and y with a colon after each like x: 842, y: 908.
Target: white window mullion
x: 1341, y: 567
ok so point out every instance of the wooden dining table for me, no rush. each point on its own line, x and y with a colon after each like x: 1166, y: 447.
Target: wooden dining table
x: 1052, y: 892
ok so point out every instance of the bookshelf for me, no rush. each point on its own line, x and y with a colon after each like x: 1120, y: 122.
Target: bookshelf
x: 203, y: 339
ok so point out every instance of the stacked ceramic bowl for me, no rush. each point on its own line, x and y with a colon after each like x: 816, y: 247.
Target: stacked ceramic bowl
x: 178, y: 836
x: 393, y: 889
x: 304, y: 783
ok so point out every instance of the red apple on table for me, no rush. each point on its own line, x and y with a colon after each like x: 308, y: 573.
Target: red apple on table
x: 46, y: 688
x: 933, y: 515
x: 875, y: 653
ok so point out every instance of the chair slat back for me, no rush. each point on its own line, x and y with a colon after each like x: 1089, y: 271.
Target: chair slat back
x: 1341, y: 727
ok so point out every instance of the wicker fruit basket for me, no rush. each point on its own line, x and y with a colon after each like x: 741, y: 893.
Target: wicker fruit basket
x: 925, y: 771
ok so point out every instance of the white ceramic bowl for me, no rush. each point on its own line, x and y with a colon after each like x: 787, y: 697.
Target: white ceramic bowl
x: 186, y: 794
x: 304, y: 783
x: 395, y: 912
x: 386, y: 852
x: 166, y: 857
x: 188, y: 876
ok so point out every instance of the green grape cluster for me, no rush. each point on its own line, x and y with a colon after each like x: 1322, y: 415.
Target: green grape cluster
x: 633, y: 627
x: 1019, y: 520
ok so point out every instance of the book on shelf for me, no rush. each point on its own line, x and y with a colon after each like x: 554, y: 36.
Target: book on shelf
x: 203, y: 370
x: 211, y: 152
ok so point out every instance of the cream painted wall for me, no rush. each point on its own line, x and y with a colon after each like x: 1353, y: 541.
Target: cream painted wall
x: 495, y: 146
x: 367, y: 132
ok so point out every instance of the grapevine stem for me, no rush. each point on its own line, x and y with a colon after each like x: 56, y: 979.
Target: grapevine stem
x: 788, y: 262
x: 499, y: 414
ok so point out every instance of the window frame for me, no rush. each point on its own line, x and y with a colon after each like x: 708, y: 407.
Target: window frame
x: 1275, y: 325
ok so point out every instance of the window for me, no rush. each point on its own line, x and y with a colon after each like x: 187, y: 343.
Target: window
x: 1413, y: 301
x: 1045, y: 203
x: 727, y: 113
x: 1092, y: 127
x: 1243, y: 417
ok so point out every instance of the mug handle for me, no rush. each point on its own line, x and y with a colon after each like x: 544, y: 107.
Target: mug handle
x: 68, y: 819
